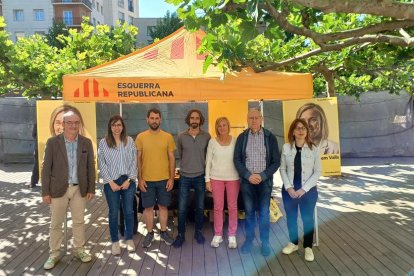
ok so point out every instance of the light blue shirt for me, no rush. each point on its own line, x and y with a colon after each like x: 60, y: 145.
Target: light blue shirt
x: 71, y: 151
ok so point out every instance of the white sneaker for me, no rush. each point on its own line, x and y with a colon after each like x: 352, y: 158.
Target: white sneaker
x: 216, y: 241
x: 290, y: 248
x: 130, y: 246
x: 232, y: 242
x: 116, y: 249
x: 309, y: 254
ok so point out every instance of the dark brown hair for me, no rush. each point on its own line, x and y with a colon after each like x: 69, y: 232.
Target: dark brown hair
x: 187, y: 118
x: 153, y: 110
x: 109, y: 138
x: 292, y: 127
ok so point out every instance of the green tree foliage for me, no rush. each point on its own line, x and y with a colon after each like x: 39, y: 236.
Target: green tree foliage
x: 349, y: 46
x: 58, y: 28
x: 35, y: 67
x: 166, y: 26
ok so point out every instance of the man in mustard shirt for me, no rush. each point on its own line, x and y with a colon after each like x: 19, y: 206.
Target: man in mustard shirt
x: 156, y: 167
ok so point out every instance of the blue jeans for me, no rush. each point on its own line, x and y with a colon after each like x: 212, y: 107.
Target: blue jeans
x: 114, y: 199
x: 306, y: 204
x: 257, y: 198
x: 199, y: 185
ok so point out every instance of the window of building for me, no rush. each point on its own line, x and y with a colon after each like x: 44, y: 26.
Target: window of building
x: 18, y: 15
x: 67, y: 1
x: 19, y: 35
x: 149, y: 28
x: 97, y: 6
x: 68, y: 18
x: 121, y: 16
x: 101, y: 9
x: 39, y: 15
x: 121, y: 3
x: 40, y: 32
x: 94, y: 21
x: 130, y: 20
x: 131, y: 5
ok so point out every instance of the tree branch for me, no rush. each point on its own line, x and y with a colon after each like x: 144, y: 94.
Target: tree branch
x: 321, y: 39
x: 329, y: 76
x: 375, y: 7
x: 395, y: 40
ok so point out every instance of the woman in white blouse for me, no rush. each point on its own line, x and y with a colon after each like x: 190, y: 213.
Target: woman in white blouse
x: 300, y: 169
x: 118, y: 169
x: 221, y: 175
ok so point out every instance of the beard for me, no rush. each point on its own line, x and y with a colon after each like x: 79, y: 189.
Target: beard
x: 154, y: 126
x: 194, y: 125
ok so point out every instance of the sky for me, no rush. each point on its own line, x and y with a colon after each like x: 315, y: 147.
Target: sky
x: 154, y: 8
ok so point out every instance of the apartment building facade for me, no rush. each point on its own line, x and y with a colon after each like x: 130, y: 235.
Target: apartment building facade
x: 122, y: 10
x: 28, y: 17
x: 144, y: 26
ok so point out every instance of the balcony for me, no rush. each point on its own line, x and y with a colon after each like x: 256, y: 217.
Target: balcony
x: 85, y: 2
x: 69, y: 21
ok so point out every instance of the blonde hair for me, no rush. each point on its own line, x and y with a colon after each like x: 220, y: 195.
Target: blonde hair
x: 218, y: 121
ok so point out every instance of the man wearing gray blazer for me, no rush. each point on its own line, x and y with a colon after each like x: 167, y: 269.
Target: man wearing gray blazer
x: 68, y: 179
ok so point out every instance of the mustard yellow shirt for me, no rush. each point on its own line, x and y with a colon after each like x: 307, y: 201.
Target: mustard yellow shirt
x: 154, y: 148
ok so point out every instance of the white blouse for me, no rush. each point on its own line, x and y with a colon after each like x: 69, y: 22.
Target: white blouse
x: 219, y: 161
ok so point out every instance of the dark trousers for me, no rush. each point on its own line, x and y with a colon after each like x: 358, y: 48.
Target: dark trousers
x: 199, y: 185
x: 35, y: 172
x: 306, y: 204
x: 257, y: 197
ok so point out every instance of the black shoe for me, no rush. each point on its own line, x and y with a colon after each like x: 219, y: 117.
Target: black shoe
x: 179, y: 240
x: 199, y: 237
x: 247, y: 247
x: 265, y: 249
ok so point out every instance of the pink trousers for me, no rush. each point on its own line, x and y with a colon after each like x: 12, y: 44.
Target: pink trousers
x: 232, y: 190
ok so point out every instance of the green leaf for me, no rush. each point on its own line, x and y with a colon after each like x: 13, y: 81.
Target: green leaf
x: 248, y: 31
x: 207, y: 62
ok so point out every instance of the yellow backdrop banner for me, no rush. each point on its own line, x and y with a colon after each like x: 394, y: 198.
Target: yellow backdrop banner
x: 235, y: 111
x: 49, y: 122
x: 322, y: 118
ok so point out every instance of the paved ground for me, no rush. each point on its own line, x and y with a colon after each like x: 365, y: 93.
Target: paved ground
x: 366, y: 227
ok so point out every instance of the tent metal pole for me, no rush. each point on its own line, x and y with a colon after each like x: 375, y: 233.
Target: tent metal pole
x: 120, y: 109
x: 261, y: 111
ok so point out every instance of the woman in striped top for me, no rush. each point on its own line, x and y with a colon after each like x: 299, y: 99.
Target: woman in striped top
x: 118, y: 169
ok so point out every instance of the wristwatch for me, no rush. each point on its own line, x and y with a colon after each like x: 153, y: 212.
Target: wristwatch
x: 129, y: 180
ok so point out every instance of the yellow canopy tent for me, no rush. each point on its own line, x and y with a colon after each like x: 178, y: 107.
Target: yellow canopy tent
x: 170, y: 70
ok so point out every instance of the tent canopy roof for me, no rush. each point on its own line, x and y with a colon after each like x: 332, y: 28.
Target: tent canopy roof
x: 171, y: 70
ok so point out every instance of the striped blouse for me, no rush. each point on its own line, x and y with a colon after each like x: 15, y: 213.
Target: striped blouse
x: 114, y: 162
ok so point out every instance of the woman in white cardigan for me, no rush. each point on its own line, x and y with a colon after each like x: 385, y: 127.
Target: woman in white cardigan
x: 221, y: 175
x: 300, y: 169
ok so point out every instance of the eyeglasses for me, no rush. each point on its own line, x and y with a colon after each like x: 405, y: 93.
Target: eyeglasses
x: 300, y: 128
x: 70, y: 123
x: 116, y: 125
